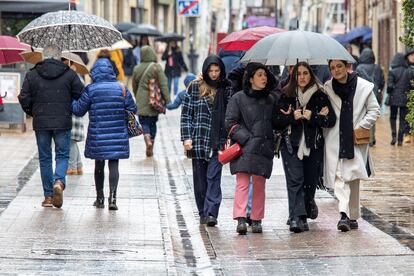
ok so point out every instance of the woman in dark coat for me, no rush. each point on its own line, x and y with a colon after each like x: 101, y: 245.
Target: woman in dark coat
x: 106, y: 101
x: 203, y: 134
x: 304, y: 109
x: 399, y: 78
x: 249, y: 116
x: 174, y: 64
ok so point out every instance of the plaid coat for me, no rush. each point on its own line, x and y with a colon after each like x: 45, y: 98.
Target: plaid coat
x: 196, y: 121
x: 78, y: 133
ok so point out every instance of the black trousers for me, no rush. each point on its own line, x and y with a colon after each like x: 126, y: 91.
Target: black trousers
x: 100, y: 176
x: 207, y: 186
x: 302, y: 177
x: 403, y: 125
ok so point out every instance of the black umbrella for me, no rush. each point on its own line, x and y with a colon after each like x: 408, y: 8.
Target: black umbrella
x: 143, y: 31
x: 125, y: 26
x: 170, y: 37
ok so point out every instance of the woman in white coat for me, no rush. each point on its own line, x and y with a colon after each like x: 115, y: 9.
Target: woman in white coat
x: 355, y: 106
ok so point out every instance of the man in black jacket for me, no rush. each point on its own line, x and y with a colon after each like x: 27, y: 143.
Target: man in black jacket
x: 46, y: 95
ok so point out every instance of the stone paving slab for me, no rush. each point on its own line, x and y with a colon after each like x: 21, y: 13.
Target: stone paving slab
x: 156, y: 230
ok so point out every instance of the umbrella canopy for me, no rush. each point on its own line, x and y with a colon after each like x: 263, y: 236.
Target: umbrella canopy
x: 245, y: 39
x: 122, y: 44
x: 32, y: 57
x: 170, y: 37
x: 10, y: 48
x: 358, y: 32
x: 124, y: 26
x: 144, y: 29
x: 35, y: 57
x: 289, y: 47
x: 77, y: 62
x: 70, y: 30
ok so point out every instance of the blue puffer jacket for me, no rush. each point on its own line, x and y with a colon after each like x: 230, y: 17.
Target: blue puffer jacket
x: 107, y: 131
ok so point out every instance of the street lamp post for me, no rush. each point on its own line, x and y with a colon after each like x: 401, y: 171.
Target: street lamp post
x: 192, y: 56
x: 276, y: 13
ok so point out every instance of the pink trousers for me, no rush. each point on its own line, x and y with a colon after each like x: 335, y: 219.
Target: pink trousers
x: 242, y: 193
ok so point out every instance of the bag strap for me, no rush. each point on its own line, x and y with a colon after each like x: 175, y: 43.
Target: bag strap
x: 123, y: 89
x: 231, y: 131
x: 147, y: 69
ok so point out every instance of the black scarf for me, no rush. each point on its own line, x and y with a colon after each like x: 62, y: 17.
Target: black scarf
x: 346, y: 92
x: 218, y: 133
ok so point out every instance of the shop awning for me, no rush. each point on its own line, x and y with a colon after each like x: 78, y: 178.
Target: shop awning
x: 33, y: 6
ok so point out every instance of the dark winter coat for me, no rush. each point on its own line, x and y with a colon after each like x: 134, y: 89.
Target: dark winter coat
x: 178, y: 63
x: 129, y: 62
x: 197, y: 115
x: 399, y: 78
x: 47, y: 93
x: 368, y: 70
x: 254, y: 131
x: 107, y: 137
x: 313, y: 127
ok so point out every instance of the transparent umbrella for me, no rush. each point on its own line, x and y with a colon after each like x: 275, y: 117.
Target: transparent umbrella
x: 71, y: 31
x: 290, y: 47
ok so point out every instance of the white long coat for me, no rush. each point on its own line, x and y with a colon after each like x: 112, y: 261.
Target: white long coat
x: 365, y: 112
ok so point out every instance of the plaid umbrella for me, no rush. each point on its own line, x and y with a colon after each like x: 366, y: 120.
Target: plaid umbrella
x: 10, y: 48
x: 70, y: 30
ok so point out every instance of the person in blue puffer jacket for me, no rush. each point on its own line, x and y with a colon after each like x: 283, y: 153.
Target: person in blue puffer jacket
x: 107, y: 139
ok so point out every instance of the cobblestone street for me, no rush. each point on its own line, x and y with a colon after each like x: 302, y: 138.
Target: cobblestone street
x: 156, y: 229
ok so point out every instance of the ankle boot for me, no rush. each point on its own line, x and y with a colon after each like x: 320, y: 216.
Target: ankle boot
x: 241, y: 226
x: 112, y: 201
x: 149, y: 145
x: 100, y: 199
x: 99, y: 202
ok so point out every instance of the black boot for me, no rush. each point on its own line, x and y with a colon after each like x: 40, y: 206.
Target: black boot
x: 241, y: 226
x: 344, y: 223
x: 100, y: 199
x: 296, y: 225
x: 112, y: 200
x: 394, y: 140
x: 257, y: 226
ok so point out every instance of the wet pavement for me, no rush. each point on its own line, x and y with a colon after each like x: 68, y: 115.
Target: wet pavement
x: 156, y: 230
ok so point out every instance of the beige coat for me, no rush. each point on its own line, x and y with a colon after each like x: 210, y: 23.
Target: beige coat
x: 365, y: 112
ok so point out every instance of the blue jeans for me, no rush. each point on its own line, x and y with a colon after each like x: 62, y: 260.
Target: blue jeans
x: 149, y: 125
x: 175, y: 80
x: 249, y: 201
x: 44, y: 146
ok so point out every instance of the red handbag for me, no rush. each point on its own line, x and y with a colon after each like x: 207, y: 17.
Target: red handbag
x: 229, y: 152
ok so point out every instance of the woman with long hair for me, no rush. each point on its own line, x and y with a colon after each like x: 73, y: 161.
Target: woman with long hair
x: 304, y: 109
x: 203, y: 134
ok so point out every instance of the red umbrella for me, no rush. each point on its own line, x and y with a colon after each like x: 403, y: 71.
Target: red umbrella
x: 245, y: 39
x: 10, y: 48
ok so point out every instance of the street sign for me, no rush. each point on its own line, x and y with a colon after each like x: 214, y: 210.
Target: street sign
x: 188, y: 7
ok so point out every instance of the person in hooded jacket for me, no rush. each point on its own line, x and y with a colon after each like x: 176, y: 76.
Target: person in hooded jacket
x: 203, y: 133
x: 46, y: 95
x: 346, y: 163
x: 304, y: 109
x: 174, y: 64
x: 106, y: 100
x: 148, y: 70
x: 400, y: 76
x: 372, y: 72
x: 249, y: 123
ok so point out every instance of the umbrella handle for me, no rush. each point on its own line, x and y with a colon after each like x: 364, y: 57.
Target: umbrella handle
x: 5, y: 95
